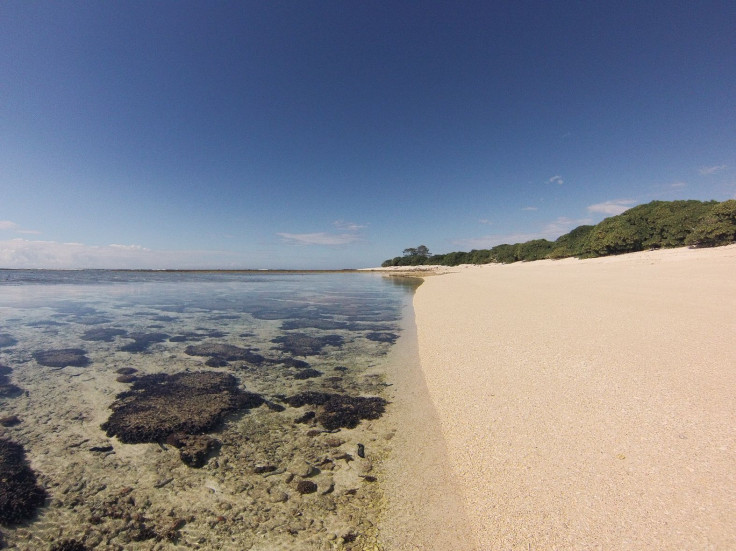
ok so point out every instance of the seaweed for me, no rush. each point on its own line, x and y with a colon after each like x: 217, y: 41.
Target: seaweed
x: 142, y: 341
x: 7, y: 340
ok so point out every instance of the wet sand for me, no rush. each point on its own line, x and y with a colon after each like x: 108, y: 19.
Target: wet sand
x: 583, y: 404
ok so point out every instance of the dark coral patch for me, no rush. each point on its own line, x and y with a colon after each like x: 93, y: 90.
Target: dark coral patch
x: 339, y: 410
x: 224, y: 353
x: 9, y: 420
x: 126, y: 370
x: 69, y: 545
x: 74, y: 357
x: 382, y: 337
x: 306, y: 487
x: 301, y: 344
x: 307, y: 374
x: 8, y: 389
x: 102, y: 334
x: 20, y: 495
x: 194, y: 449
x: 160, y: 405
x: 142, y: 341
x: 7, y: 340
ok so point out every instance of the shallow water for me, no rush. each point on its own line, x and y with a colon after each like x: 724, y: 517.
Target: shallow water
x: 248, y: 494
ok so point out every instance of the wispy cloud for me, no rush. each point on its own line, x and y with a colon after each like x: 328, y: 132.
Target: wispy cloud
x: 485, y: 221
x: 678, y: 185
x: 24, y: 253
x: 350, y: 233
x: 319, y: 238
x: 552, y: 230
x: 708, y: 170
x: 556, y: 180
x: 7, y: 225
x: 530, y: 208
x: 612, y: 207
x: 347, y: 226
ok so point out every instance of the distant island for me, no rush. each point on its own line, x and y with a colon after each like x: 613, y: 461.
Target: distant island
x: 655, y: 225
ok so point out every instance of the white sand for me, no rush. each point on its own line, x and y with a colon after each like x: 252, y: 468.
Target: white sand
x: 586, y: 404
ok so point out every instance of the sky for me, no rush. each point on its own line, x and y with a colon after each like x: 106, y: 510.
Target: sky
x: 335, y: 134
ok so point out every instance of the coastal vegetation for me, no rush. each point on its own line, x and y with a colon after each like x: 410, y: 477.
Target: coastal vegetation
x: 659, y: 224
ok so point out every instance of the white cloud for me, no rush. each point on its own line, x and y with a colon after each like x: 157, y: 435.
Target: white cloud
x: 612, y: 207
x: 24, y: 253
x: 7, y: 225
x: 708, y: 170
x: 485, y: 221
x: 530, y: 208
x: 678, y: 185
x: 556, y: 180
x: 319, y: 238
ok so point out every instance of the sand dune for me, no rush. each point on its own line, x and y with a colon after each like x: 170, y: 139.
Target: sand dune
x: 587, y: 404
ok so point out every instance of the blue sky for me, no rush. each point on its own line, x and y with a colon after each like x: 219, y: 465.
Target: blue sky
x: 335, y: 134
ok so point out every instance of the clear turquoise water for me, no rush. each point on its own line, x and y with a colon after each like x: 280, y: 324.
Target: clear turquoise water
x: 129, y: 496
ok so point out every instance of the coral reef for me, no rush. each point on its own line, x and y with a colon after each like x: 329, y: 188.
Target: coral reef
x: 62, y: 357
x: 20, y: 496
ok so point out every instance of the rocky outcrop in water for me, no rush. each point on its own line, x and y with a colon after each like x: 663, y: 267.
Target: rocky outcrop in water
x: 20, y: 495
x: 185, y: 404
x: 63, y: 357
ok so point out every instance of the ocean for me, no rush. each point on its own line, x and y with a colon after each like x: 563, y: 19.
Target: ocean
x: 194, y: 410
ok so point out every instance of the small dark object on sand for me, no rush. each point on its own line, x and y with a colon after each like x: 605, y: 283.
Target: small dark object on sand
x: 69, y: 545
x: 126, y: 370
x: 9, y: 420
x: 306, y: 487
x: 361, y: 450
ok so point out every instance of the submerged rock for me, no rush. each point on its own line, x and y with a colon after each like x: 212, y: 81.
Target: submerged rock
x: 8, y: 389
x: 143, y: 341
x: 103, y: 334
x: 186, y: 404
x: 220, y: 352
x: 307, y: 374
x: 9, y: 420
x: 69, y: 545
x: 7, y: 340
x: 382, y: 337
x: 194, y: 449
x: 301, y: 344
x: 339, y: 410
x: 20, y: 495
x: 63, y: 357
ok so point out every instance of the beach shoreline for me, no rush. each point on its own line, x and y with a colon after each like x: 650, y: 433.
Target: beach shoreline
x: 586, y: 403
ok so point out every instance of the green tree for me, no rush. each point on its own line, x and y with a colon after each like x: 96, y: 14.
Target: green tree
x: 718, y: 227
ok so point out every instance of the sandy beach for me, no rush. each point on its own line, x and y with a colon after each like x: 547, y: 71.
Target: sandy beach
x: 582, y: 404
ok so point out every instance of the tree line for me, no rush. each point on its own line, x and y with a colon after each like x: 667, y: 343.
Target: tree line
x: 659, y: 224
